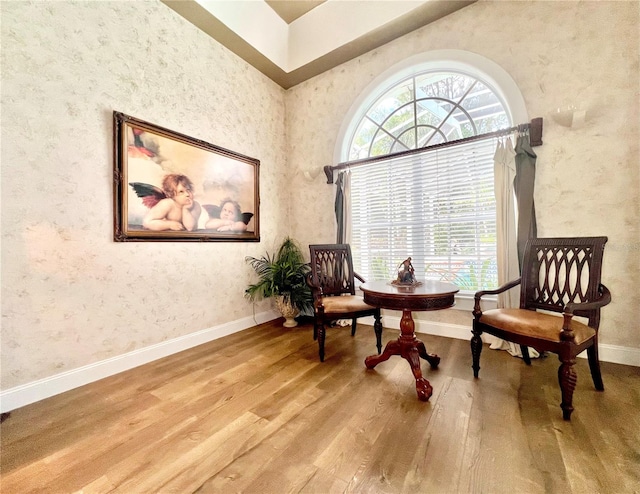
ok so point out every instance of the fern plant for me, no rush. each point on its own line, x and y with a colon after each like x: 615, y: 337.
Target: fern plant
x: 283, y: 274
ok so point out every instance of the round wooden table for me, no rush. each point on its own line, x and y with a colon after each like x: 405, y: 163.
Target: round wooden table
x: 430, y: 295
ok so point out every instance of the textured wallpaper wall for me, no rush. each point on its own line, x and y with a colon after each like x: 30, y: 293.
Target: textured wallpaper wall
x: 558, y: 53
x: 70, y: 295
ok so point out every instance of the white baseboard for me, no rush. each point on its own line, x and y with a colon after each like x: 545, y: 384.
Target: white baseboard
x: 607, y: 353
x: 427, y: 327
x: 44, y: 388
x: 617, y: 354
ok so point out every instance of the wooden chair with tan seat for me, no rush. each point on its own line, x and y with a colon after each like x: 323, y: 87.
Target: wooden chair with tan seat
x: 332, y: 282
x: 559, y: 275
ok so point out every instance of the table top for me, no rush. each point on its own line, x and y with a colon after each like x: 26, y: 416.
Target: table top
x: 426, y: 289
x: 430, y: 295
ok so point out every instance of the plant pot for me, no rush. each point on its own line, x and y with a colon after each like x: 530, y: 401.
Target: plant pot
x: 288, y: 312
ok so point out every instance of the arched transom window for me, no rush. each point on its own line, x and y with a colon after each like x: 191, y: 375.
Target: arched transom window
x: 428, y: 109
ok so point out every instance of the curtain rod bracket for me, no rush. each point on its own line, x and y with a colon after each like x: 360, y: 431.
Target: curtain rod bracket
x: 328, y: 171
x: 535, y: 131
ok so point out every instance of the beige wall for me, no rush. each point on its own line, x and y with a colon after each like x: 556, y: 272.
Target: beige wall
x: 70, y: 295
x: 588, y: 179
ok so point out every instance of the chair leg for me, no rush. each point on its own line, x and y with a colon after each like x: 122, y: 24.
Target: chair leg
x: 377, y: 327
x: 476, y: 350
x: 594, y: 365
x: 567, y: 378
x: 315, y: 331
x: 353, y: 326
x: 321, y: 333
x: 525, y: 354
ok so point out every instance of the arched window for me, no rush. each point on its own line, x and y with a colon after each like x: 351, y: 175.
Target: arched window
x: 427, y: 109
x: 438, y: 206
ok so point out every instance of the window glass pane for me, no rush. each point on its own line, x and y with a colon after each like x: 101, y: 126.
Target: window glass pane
x: 430, y: 113
x: 382, y: 144
x: 400, y: 120
x: 450, y: 86
x: 423, y: 133
x: 406, y: 141
x: 485, y: 108
x: 391, y: 101
x: 362, y: 139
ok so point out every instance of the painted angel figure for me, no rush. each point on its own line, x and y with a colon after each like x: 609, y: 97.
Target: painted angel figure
x: 170, y: 208
x: 228, y: 217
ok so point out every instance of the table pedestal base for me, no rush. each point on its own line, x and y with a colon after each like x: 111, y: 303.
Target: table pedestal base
x: 411, y: 349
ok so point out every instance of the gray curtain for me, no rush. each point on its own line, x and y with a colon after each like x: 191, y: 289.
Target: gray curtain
x: 342, y: 208
x: 523, y: 186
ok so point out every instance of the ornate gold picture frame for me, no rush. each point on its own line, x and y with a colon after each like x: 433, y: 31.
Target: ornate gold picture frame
x: 171, y: 187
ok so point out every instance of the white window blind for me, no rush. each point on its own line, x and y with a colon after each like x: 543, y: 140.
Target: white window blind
x: 438, y: 207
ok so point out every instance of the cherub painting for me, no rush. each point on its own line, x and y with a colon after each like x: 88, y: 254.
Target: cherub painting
x: 170, y: 208
x: 173, y: 187
x: 173, y: 208
x: 228, y: 217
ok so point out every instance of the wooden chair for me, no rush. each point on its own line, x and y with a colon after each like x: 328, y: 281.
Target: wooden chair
x: 332, y: 282
x: 560, y: 275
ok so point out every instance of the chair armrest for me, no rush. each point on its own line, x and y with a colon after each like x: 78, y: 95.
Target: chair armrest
x: 358, y: 277
x: 477, y: 312
x: 604, y: 299
x: 572, y: 307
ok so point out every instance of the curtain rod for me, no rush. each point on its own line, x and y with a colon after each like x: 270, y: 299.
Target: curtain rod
x: 535, y: 136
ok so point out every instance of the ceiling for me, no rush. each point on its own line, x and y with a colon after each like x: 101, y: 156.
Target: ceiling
x: 290, y: 10
x: 291, y: 41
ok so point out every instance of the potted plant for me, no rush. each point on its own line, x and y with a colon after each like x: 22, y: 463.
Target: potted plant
x: 282, y: 276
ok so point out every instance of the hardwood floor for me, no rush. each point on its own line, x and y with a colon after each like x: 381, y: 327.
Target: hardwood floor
x: 256, y: 412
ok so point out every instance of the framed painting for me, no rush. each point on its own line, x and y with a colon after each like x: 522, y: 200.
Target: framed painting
x: 171, y: 187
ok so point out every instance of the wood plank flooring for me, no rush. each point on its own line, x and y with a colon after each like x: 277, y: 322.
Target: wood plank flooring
x: 256, y: 412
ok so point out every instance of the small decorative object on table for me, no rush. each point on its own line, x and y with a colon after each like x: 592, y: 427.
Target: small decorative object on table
x: 406, y: 274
